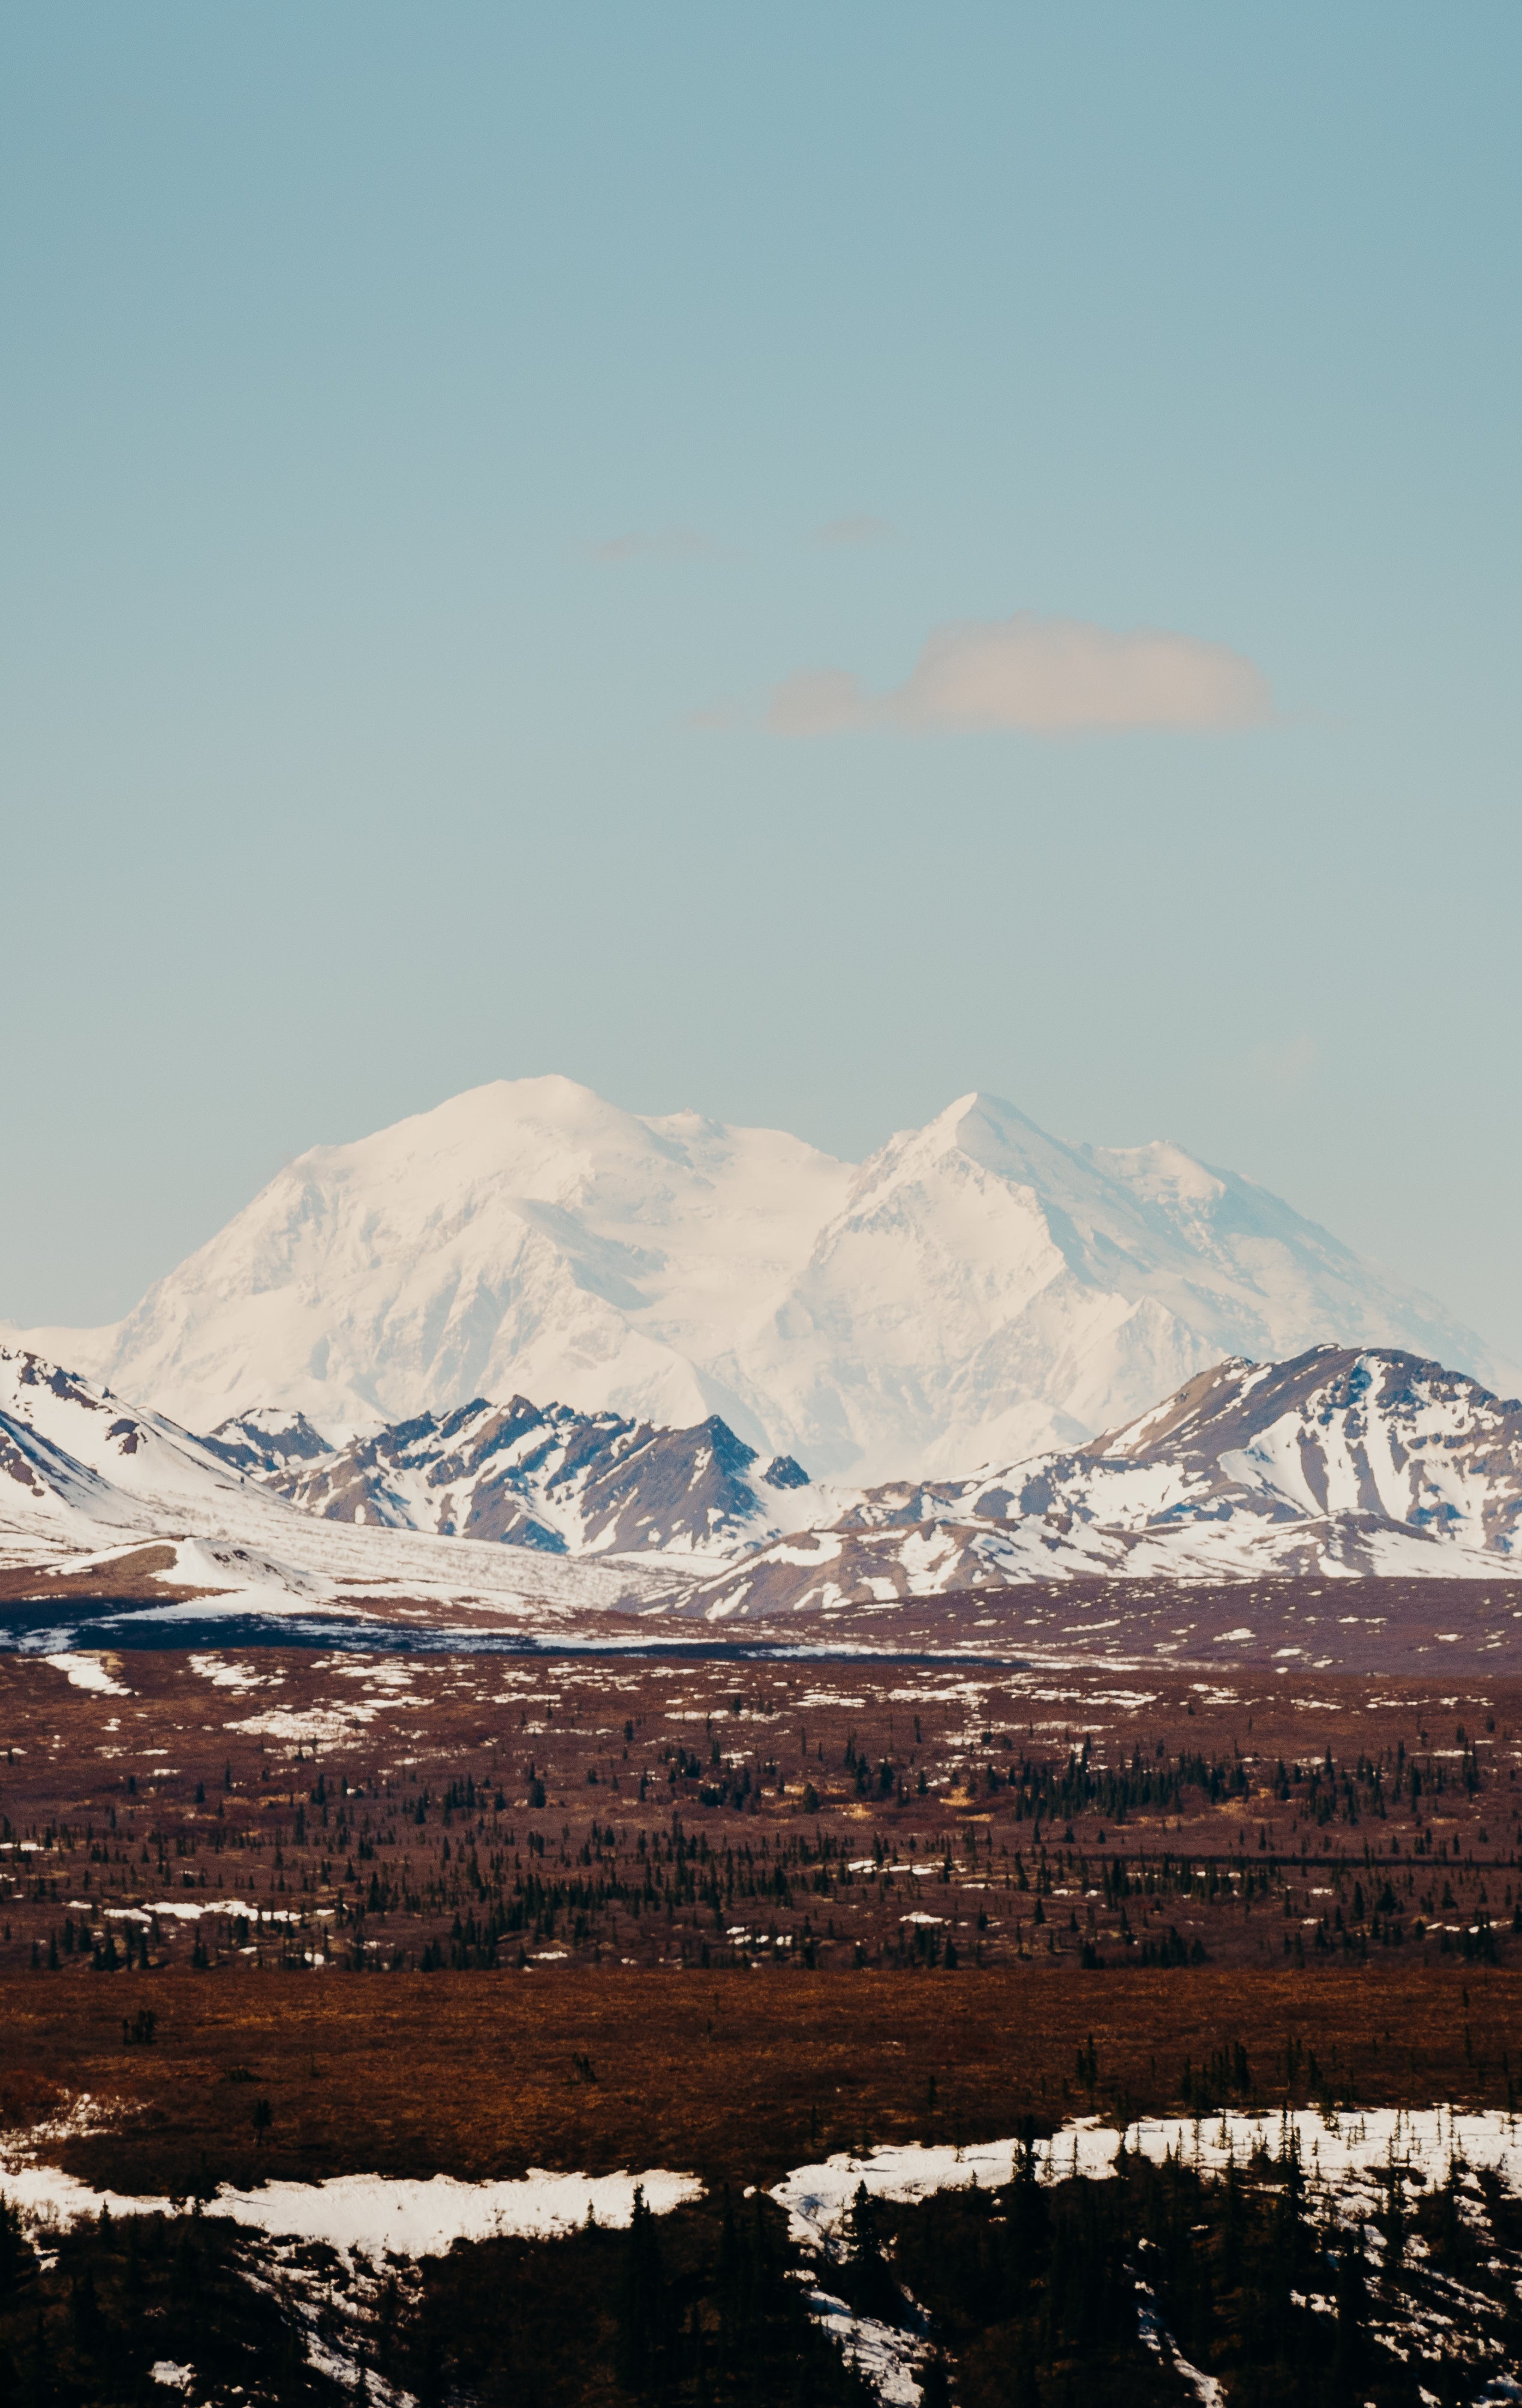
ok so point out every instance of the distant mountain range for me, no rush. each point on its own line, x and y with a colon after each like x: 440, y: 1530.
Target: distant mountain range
x: 551, y: 1479
x: 1342, y: 1461
x: 976, y: 1292
x: 1339, y: 1463
x: 82, y: 1465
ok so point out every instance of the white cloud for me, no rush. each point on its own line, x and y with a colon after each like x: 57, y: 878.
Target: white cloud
x: 1049, y: 677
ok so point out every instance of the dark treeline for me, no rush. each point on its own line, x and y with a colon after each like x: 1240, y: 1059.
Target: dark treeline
x: 1037, y: 2295
x: 667, y: 1856
x: 1086, y: 2290
x: 121, y: 2296
x: 694, y: 2309
x: 697, y: 2310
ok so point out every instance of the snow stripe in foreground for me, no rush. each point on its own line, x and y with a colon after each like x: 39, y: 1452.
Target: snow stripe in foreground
x: 1347, y: 2162
x: 887, y: 2356
x: 367, y: 2213
x: 1335, y: 2149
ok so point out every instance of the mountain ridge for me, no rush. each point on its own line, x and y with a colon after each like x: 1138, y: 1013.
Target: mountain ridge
x: 1340, y: 1462
x: 1337, y: 1464
x: 976, y: 1290
x: 540, y: 1477
x: 545, y: 1480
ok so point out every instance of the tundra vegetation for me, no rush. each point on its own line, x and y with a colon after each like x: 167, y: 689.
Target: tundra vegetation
x: 281, y: 1914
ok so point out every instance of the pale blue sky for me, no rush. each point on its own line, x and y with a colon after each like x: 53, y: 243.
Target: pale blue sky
x: 418, y: 425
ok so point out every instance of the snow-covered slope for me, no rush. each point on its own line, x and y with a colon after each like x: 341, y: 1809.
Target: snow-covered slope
x: 1340, y: 1462
x: 976, y: 1291
x: 523, y: 1238
x: 549, y: 1478
x: 72, y: 1449
x: 987, y: 1290
x: 85, y: 1480
x: 545, y: 1479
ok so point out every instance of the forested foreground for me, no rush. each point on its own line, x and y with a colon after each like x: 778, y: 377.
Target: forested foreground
x: 1131, y: 2291
x: 702, y: 2306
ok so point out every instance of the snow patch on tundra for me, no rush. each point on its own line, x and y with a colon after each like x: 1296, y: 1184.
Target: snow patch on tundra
x: 89, y: 1672
x: 1335, y: 2150
x: 370, y: 2214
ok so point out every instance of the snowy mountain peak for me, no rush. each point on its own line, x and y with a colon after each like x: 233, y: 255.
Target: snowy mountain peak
x: 1338, y: 1463
x: 987, y: 1131
x: 555, y: 1480
x: 269, y: 1438
x: 975, y: 1291
x: 1338, y: 1429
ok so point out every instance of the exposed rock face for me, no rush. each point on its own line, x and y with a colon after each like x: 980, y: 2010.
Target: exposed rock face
x: 1339, y: 1462
x: 267, y: 1440
x: 976, y: 1292
x: 546, y: 1477
x: 520, y: 1474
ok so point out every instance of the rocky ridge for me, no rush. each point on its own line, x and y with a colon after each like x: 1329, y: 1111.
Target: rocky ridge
x: 527, y: 1476
x: 544, y: 1479
x: 1341, y: 1462
x: 977, y: 1291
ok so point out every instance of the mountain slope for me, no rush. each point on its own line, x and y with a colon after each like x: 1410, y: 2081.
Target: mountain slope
x: 987, y: 1290
x: 562, y: 1482
x: 87, y: 1453
x: 546, y: 1479
x: 525, y: 1238
x: 85, y: 1479
x: 974, y: 1292
x: 1339, y: 1462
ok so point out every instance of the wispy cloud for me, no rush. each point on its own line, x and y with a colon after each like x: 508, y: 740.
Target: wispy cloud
x: 665, y: 543
x: 818, y: 702
x: 721, y: 717
x: 1049, y: 677
x: 843, y: 533
x: 1285, y: 1065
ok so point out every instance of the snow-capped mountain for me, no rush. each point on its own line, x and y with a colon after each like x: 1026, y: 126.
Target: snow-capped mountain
x: 76, y: 1452
x: 546, y: 1479
x: 268, y: 1443
x: 1339, y: 1462
x: 974, y: 1292
x: 549, y: 1478
x: 85, y: 1480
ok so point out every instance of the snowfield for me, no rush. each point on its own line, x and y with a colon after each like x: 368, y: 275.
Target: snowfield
x: 367, y: 2215
x: 1352, y: 2163
x: 1339, y: 1463
x: 976, y: 1292
x: 1341, y: 2153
